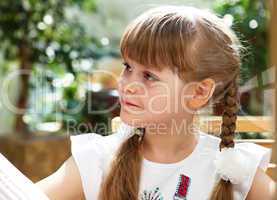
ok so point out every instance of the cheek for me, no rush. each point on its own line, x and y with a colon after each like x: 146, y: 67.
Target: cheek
x: 167, y: 100
x: 120, y: 83
x: 157, y: 103
x: 160, y: 102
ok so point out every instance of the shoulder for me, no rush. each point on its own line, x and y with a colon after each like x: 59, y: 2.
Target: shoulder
x: 87, y: 152
x: 85, y: 144
x: 257, y: 155
x: 257, y: 159
x: 209, y: 143
x: 209, y: 138
x: 98, y: 146
x: 263, y: 187
x: 92, y: 153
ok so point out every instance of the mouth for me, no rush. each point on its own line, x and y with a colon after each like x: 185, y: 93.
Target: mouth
x: 128, y: 103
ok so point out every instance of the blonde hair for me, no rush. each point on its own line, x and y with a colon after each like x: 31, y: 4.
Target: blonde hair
x: 196, y: 44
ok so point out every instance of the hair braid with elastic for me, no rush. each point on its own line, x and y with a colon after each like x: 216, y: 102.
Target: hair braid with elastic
x: 223, y: 190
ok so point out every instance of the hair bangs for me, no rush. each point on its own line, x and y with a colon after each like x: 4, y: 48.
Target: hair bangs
x: 155, y: 42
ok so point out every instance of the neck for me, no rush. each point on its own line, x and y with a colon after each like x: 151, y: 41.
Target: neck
x: 173, y: 139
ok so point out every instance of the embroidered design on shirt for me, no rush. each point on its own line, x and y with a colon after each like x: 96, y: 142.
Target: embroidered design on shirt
x: 152, y: 194
x: 182, y: 188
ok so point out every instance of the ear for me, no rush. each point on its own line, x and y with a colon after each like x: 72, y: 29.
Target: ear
x: 202, y: 92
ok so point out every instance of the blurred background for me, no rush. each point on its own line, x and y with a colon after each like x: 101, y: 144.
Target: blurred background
x: 59, y: 63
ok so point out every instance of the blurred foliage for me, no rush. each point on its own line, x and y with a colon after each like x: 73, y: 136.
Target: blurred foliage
x: 46, y: 38
x: 249, y: 19
x: 43, y: 25
x: 252, y: 135
x: 57, y: 51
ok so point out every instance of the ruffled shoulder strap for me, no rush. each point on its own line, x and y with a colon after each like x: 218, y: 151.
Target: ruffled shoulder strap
x: 259, y: 156
x: 92, y: 153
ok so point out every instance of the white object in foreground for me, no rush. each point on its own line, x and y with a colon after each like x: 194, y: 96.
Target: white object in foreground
x: 16, y: 186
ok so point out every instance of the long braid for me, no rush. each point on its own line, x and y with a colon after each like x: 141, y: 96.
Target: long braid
x: 122, y: 180
x: 223, y: 190
x: 229, y: 117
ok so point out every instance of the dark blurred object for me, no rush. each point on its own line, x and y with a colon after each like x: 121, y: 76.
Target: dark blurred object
x: 101, y: 107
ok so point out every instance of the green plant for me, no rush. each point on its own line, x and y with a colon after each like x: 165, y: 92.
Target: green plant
x: 38, y: 34
x: 249, y: 18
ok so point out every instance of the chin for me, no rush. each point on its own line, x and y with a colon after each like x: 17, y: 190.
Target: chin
x: 131, y: 120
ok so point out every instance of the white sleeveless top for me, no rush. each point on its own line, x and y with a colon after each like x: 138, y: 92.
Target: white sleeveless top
x: 192, y: 178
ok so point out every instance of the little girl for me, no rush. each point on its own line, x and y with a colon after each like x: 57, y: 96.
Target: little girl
x: 177, y: 60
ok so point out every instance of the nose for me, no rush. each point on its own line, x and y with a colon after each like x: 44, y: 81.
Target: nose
x: 129, y: 86
x: 132, y: 88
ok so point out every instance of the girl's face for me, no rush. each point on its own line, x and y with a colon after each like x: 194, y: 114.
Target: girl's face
x: 148, y: 96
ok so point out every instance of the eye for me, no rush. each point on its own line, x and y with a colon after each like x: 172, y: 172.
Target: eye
x: 127, y: 67
x: 149, y: 77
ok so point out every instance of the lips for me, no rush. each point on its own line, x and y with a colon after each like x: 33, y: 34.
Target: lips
x: 128, y: 103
